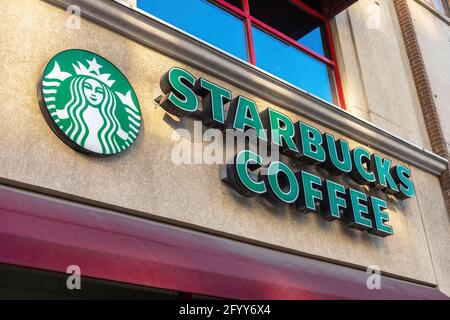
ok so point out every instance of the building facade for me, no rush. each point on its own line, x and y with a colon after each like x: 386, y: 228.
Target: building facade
x: 366, y: 76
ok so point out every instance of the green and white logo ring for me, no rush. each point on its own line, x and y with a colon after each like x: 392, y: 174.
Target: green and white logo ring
x: 89, y: 103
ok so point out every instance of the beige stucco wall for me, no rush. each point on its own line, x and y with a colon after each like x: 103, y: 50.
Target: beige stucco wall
x: 378, y: 83
x: 144, y: 181
x: 372, y: 53
x: 433, y: 34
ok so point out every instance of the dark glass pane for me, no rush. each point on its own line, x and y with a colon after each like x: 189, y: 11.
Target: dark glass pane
x: 291, y: 21
x: 292, y: 65
x: 204, y: 20
x: 236, y: 3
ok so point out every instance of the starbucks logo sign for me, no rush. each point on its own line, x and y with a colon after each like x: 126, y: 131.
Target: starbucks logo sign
x: 89, y: 103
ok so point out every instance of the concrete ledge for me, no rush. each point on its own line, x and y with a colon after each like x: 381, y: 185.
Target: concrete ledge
x: 158, y: 35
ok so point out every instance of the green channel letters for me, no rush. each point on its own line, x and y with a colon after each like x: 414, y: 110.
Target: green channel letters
x: 281, y: 130
x: 243, y: 159
x: 334, y: 202
x: 379, y: 217
x: 311, y: 143
x: 214, y: 99
x: 275, y: 185
x: 402, y: 176
x: 300, y: 141
x: 339, y: 159
x: 180, y: 98
x: 244, y: 114
x: 311, y: 194
x: 355, y: 215
x: 359, y: 172
x: 384, y: 180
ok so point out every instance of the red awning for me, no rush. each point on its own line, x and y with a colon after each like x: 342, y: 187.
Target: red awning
x: 48, y: 233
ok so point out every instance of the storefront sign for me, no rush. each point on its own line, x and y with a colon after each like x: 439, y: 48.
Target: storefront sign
x: 92, y: 107
x: 89, y: 103
x: 280, y: 184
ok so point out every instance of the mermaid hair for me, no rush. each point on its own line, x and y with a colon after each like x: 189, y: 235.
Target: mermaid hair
x: 78, y: 130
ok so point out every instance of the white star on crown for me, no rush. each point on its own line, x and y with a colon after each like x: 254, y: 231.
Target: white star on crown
x: 93, y: 71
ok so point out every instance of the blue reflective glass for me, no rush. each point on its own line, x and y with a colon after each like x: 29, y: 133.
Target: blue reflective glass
x: 439, y: 5
x: 203, y: 20
x: 313, y: 40
x: 292, y: 65
x: 289, y: 19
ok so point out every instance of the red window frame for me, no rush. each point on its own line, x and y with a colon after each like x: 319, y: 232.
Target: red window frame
x: 249, y: 20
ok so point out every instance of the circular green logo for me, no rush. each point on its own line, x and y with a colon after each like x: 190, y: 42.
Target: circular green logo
x: 89, y: 103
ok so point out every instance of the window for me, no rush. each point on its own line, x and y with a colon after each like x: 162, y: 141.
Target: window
x: 438, y: 5
x: 290, y: 39
x: 204, y: 20
x: 442, y: 6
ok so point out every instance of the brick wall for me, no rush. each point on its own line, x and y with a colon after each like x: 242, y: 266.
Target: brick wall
x: 427, y: 103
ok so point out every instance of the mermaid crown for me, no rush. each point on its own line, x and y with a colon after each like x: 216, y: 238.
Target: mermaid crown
x: 93, y: 70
